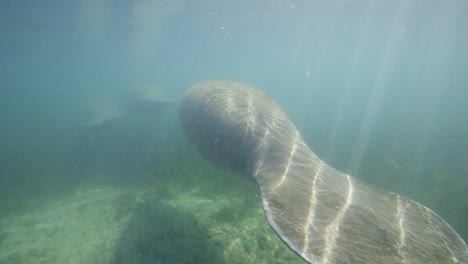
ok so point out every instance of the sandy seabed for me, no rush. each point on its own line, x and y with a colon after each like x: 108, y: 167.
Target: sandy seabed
x: 101, y: 224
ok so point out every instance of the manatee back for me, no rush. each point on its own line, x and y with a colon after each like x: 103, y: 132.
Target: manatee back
x: 226, y: 121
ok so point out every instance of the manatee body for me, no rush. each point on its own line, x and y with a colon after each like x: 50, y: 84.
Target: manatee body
x: 322, y: 214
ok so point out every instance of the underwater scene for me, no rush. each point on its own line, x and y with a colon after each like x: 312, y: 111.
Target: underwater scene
x: 101, y: 147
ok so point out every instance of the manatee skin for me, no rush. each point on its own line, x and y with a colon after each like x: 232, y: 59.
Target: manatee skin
x: 322, y: 214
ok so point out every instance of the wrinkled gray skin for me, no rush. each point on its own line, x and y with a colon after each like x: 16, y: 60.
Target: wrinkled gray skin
x: 322, y: 214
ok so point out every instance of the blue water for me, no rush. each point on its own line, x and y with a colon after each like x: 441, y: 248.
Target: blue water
x: 378, y: 89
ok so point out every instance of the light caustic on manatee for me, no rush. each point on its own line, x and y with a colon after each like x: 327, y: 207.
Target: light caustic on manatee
x: 322, y: 214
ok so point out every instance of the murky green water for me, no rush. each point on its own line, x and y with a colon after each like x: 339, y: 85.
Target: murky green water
x: 94, y: 167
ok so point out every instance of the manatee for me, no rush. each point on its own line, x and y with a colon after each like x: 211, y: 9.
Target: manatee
x: 143, y: 100
x: 101, y: 111
x: 324, y: 215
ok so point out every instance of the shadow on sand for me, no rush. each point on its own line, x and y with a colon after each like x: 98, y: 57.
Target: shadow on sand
x: 159, y: 233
